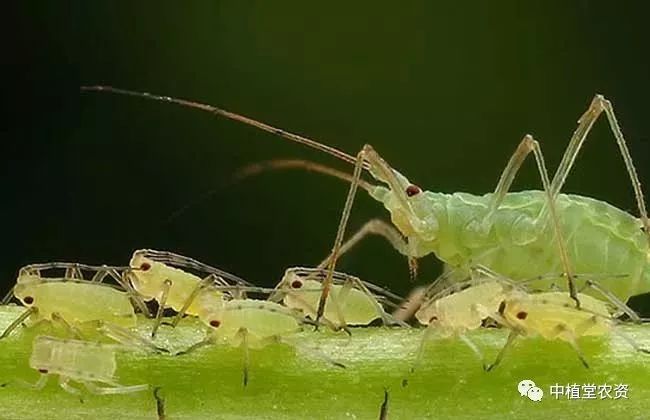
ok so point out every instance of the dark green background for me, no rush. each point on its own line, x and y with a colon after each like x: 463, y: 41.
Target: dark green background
x: 444, y: 90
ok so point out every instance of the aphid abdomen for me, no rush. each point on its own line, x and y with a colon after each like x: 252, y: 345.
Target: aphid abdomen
x: 83, y: 302
x: 260, y: 318
x: 79, y: 360
x: 357, y: 307
x: 600, y: 239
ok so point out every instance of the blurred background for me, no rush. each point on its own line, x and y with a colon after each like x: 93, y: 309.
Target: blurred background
x: 443, y: 90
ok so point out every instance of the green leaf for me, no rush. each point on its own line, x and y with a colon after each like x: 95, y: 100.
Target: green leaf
x: 297, y: 383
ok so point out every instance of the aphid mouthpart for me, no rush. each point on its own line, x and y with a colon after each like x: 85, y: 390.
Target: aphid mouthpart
x: 28, y: 300
x: 412, y: 190
x: 502, y: 307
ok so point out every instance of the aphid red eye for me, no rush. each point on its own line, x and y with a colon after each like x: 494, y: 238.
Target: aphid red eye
x: 296, y: 284
x: 145, y: 266
x: 412, y: 190
x: 28, y: 300
x: 215, y: 323
x: 433, y: 318
x: 43, y: 370
x: 522, y: 315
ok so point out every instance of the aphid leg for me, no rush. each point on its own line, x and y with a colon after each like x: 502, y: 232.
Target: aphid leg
x: 378, y: 227
x: 527, y: 145
x: 18, y: 321
x: 570, y: 337
x: 243, y: 333
x: 160, y: 403
x: 40, y: 384
x: 307, y: 349
x: 123, y: 281
x: 64, y: 383
x: 7, y: 298
x: 323, y: 321
x: 386, y: 318
x: 205, y: 342
x: 167, y: 284
x: 630, y: 341
x: 585, y: 123
x: 465, y: 339
x: 426, y: 336
x: 128, y: 338
x: 618, y: 303
x: 59, y: 319
x: 383, y: 410
x: 410, y: 305
x: 118, y: 389
x: 511, y: 338
x: 73, y: 272
x: 340, y: 233
x: 209, y: 280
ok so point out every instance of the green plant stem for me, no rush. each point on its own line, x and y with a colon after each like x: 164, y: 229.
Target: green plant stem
x: 296, y: 383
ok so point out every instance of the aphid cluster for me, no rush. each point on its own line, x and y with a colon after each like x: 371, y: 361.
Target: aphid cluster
x: 535, y: 262
x: 84, y: 305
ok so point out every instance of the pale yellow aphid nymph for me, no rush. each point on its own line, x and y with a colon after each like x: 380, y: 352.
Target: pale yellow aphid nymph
x: 553, y: 316
x: 249, y: 323
x: 148, y: 278
x: 462, y: 311
x: 350, y: 302
x: 80, y: 361
x: 75, y: 301
x: 70, y: 300
x: 256, y: 321
x: 453, y: 312
x: 163, y: 276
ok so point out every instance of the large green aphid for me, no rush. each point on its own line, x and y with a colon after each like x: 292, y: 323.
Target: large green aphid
x: 518, y: 235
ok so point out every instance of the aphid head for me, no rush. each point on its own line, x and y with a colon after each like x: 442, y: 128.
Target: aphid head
x: 428, y: 313
x: 26, y: 293
x: 301, y: 280
x: 410, y: 210
x: 408, y: 207
x: 145, y: 275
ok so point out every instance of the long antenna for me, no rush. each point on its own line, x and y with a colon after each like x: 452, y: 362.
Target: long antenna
x: 230, y: 115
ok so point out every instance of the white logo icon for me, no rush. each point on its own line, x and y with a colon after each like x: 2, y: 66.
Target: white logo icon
x: 535, y: 394
x: 524, y: 386
x: 529, y: 389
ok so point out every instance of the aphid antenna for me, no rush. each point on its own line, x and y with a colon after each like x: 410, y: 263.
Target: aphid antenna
x: 255, y: 169
x: 232, y: 116
x: 320, y: 274
x: 177, y: 260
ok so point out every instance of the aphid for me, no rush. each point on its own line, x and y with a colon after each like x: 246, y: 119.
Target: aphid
x: 350, y: 303
x: 510, y: 233
x: 80, y: 361
x: 552, y: 316
x: 453, y: 312
x: 161, y: 276
x: 249, y: 323
x: 70, y: 300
